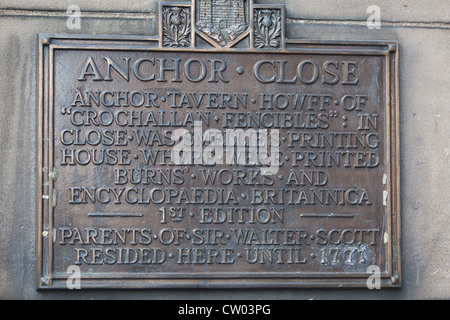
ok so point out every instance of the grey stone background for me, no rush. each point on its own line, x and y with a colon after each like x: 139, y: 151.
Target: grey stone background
x: 423, y: 31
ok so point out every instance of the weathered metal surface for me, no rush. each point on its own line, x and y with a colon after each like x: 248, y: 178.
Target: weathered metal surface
x: 311, y: 201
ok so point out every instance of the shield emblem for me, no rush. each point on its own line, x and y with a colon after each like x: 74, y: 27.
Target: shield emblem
x: 222, y: 23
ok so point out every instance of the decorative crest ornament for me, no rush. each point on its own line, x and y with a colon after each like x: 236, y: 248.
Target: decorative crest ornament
x: 222, y: 20
x: 176, y: 30
x: 221, y: 24
x: 267, y: 28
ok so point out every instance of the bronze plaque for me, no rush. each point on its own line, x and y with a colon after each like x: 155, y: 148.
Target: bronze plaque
x: 218, y: 154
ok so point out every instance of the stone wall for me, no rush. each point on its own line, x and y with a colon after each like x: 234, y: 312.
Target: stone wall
x: 423, y: 31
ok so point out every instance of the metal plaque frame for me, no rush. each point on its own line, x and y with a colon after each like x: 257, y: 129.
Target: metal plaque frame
x: 191, y: 39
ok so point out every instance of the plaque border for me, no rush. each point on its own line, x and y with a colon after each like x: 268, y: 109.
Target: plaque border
x: 46, y: 278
